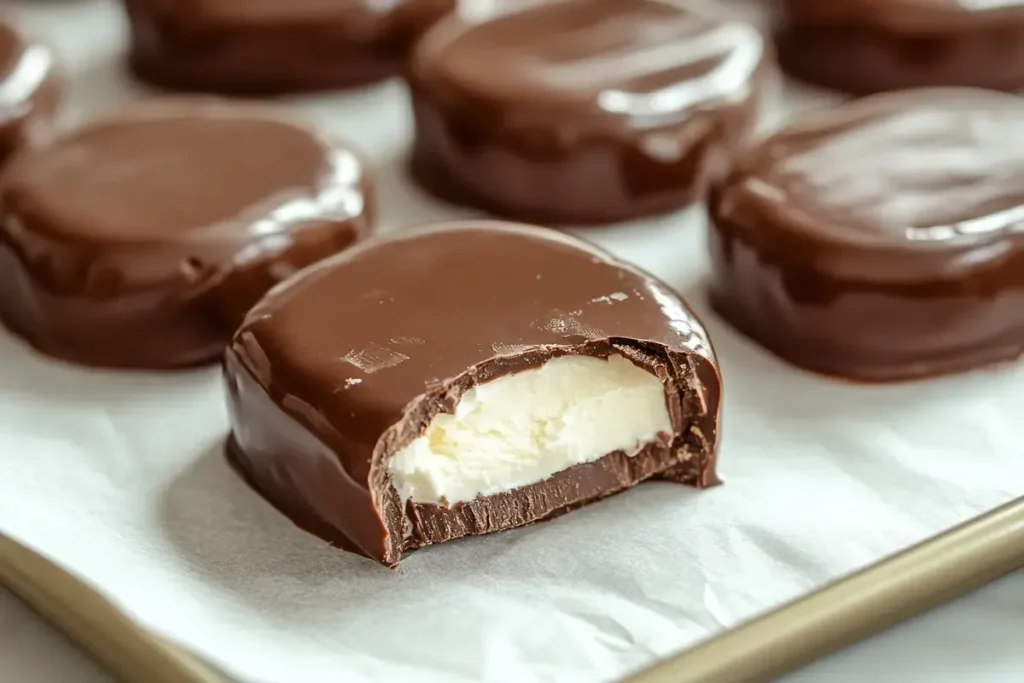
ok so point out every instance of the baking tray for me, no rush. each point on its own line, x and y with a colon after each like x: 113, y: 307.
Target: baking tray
x: 844, y: 612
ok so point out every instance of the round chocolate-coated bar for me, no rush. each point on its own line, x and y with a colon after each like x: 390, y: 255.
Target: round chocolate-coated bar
x: 265, y: 47
x: 880, y: 240
x: 868, y: 46
x: 346, y: 381
x: 142, y: 239
x: 583, y: 111
x: 30, y: 89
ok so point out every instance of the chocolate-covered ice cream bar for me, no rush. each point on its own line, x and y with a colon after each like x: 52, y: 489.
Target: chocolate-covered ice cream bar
x: 141, y: 239
x: 880, y: 240
x: 866, y: 46
x: 583, y: 111
x: 466, y: 378
x: 30, y: 89
x: 274, y: 46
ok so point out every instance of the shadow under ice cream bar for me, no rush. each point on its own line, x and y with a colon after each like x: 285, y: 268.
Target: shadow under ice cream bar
x: 582, y: 111
x: 141, y: 240
x: 865, y: 46
x: 463, y: 379
x: 29, y: 90
x: 274, y: 46
x: 880, y: 240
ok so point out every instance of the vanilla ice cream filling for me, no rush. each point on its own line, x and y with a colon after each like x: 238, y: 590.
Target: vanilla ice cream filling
x: 523, y: 428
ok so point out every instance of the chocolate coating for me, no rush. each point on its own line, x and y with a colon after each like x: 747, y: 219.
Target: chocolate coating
x: 583, y: 111
x: 30, y: 88
x: 274, y: 46
x: 867, y: 46
x: 880, y: 240
x: 347, y: 362
x: 142, y: 239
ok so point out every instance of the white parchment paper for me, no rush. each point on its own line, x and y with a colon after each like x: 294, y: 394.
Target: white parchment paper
x: 120, y: 476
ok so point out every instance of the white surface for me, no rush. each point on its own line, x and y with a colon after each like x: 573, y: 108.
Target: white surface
x: 523, y: 428
x: 120, y: 476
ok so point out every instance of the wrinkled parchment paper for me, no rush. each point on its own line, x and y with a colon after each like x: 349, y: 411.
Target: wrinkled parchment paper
x: 120, y: 476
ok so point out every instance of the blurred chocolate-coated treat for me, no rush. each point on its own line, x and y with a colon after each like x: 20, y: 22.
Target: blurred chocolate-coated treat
x: 867, y: 46
x: 266, y: 47
x: 142, y: 239
x: 30, y: 90
x: 583, y: 111
x: 466, y: 378
x: 880, y: 240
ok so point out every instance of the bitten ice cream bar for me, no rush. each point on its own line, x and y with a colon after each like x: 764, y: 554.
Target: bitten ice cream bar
x: 466, y: 378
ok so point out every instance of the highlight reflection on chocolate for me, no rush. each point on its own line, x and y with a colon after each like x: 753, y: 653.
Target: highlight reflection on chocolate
x: 880, y: 240
x: 274, y: 46
x: 30, y: 89
x: 583, y: 111
x: 466, y: 378
x: 867, y: 46
x: 142, y: 239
